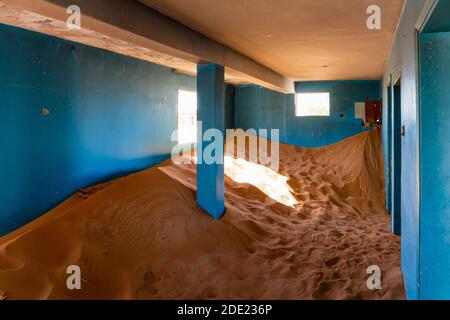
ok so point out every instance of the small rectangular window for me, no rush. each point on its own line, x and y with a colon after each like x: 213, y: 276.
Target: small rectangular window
x: 312, y: 104
x: 187, y: 117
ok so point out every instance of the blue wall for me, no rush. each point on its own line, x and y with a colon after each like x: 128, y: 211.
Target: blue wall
x: 230, y: 101
x: 260, y: 108
x: 425, y: 171
x: 439, y: 21
x: 403, y: 61
x: 257, y: 107
x: 435, y: 161
x: 109, y: 115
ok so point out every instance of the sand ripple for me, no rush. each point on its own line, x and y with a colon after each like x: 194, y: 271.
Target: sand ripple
x: 144, y: 237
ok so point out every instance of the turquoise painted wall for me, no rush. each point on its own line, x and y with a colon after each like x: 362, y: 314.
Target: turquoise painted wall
x: 403, y: 61
x: 422, y: 62
x: 435, y: 156
x: 257, y: 107
x: 435, y: 162
x: 109, y: 115
x: 230, y: 101
x: 260, y: 108
x: 440, y: 21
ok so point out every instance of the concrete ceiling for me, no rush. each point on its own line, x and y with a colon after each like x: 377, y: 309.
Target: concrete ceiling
x: 300, y: 39
x: 131, y: 28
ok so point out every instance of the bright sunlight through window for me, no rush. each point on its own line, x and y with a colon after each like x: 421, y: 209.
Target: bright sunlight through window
x: 187, y: 117
x: 312, y: 104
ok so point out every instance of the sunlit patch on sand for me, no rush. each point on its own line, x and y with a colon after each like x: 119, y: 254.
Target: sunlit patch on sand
x: 268, y: 181
x: 265, y: 179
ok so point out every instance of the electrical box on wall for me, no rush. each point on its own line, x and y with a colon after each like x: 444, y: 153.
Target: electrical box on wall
x: 373, y: 112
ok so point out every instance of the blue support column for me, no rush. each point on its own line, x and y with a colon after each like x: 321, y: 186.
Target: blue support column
x: 211, y: 112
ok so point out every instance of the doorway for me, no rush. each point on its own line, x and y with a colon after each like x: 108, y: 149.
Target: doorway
x: 397, y: 133
x: 388, y: 142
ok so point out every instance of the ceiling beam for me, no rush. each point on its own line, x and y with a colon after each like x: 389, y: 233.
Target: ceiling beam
x: 132, y: 28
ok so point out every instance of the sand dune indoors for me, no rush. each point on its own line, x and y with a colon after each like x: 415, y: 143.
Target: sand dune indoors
x: 144, y: 237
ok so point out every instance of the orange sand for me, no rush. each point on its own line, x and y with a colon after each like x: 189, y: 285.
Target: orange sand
x: 144, y: 237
